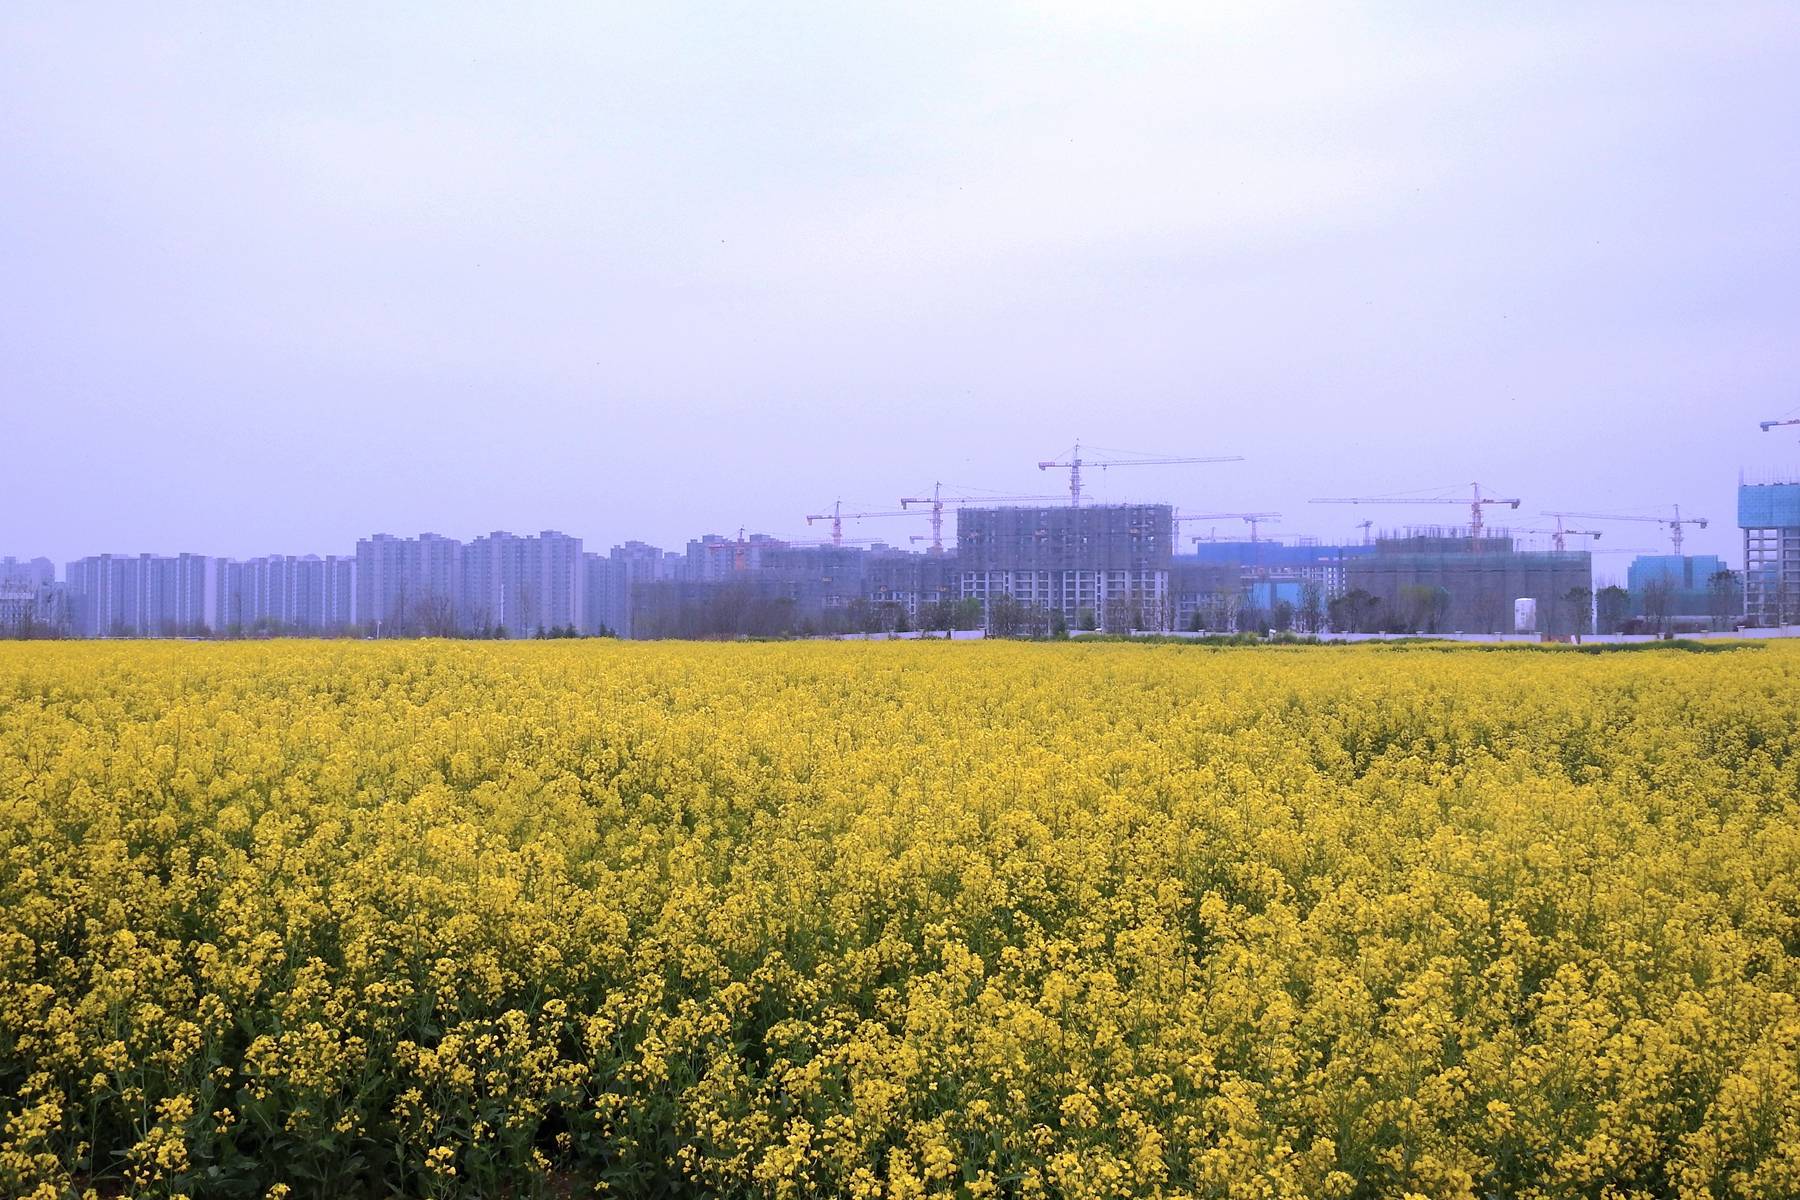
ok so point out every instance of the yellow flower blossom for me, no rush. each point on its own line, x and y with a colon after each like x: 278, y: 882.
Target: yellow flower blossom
x: 898, y: 920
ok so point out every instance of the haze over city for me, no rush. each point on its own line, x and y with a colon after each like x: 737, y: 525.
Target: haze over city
x: 987, y: 600
x: 280, y: 278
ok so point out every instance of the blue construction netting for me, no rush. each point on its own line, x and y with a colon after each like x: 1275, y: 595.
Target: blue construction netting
x: 1769, y: 506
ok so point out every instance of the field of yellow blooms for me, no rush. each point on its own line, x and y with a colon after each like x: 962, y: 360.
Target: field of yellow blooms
x: 901, y: 919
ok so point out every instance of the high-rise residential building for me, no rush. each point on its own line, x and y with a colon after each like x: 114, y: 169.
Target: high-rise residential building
x: 408, y: 585
x: 34, y: 572
x: 1107, y: 565
x: 556, y: 560
x: 493, y: 592
x: 597, y: 606
x: 31, y: 601
x: 523, y: 584
x: 1769, y: 515
x: 332, y: 598
x: 143, y: 595
x: 609, y: 583
x: 231, y: 605
x: 285, y: 593
x: 912, y: 581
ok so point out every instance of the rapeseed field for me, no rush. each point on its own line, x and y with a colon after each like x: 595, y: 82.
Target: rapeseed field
x: 897, y: 920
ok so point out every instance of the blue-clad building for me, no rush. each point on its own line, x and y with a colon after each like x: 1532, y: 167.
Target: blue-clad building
x: 1670, y: 585
x: 1769, y: 515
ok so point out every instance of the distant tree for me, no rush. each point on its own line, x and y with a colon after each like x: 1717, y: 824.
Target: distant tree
x: 1355, y: 611
x: 1221, y: 609
x: 1424, y: 607
x: 1614, y: 603
x: 433, y: 616
x: 1006, y: 616
x: 1118, y: 614
x: 1282, y: 616
x: 1571, y: 613
x: 1312, y: 606
x: 1724, y: 598
x: 1659, y: 596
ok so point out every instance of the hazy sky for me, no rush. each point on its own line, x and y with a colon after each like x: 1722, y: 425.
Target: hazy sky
x: 273, y: 277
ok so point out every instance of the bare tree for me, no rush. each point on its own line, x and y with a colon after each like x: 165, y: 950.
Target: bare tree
x: 1571, y: 612
x: 434, y: 616
x: 1724, y: 598
x: 1312, y: 606
x: 1659, y: 595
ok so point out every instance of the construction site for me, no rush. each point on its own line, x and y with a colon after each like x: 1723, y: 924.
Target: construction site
x: 1034, y: 564
x: 1050, y: 563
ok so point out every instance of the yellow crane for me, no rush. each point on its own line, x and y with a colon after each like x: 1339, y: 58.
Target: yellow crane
x: 937, y: 500
x: 1476, y: 503
x: 1074, y: 462
x: 1673, y: 523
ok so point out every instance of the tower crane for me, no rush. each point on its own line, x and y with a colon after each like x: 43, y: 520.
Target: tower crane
x: 1559, y: 536
x: 1768, y: 425
x: 1365, y: 525
x: 1476, y: 503
x: 1673, y: 523
x: 937, y: 500
x: 837, y: 516
x: 1075, y: 462
x: 1252, y: 519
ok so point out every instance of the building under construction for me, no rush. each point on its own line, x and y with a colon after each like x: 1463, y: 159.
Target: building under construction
x: 1769, y: 515
x: 1221, y: 579
x: 912, y: 582
x: 1446, y: 581
x: 1097, y: 567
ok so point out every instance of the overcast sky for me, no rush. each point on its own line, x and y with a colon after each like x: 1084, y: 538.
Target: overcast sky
x: 273, y: 277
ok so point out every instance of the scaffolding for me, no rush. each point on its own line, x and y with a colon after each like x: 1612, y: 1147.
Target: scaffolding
x: 1769, y: 515
x: 1443, y: 581
x: 1107, y: 565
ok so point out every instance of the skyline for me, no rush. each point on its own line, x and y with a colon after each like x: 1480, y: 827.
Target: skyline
x: 1528, y: 528
x: 279, y: 279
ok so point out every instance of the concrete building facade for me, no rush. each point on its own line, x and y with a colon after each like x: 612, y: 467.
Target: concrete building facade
x: 1444, y: 583
x: 1769, y: 516
x: 285, y: 593
x: 1099, y: 566
x: 523, y: 584
x: 140, y: 595
x: 408, y: 585
x: 31, y: 600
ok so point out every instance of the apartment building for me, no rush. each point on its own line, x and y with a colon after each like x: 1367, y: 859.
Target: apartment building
x: 140, y: 595
x: 1100, y: 565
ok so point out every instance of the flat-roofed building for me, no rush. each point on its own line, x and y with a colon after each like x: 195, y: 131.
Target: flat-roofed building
x: 1105, y: 566
x: 1769, y: 516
